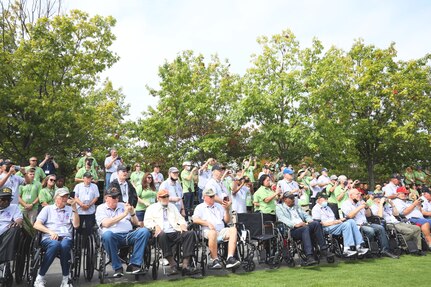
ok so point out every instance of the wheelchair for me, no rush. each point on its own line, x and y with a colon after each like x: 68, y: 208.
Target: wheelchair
x: 101, y: 258
x: 86, y: 248
x: 258, y: 235
x: 195, y: 260
x: 292, y: 248
x: 37, y: 253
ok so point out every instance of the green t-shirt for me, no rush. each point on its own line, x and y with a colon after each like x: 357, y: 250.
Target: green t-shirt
x: 305, y: 197
x: 81, y: 171
x: 46, y: 195
x: 409, y: 177
x: 147, y: 195
x: 331, y: 195
x: 188, y: 185
x: 420, y: 175
x: 259, y: 196
x: 29, y: 193
x: 249, y: 172
x: 228, y: 183
x: 337, y: 193
x: 136, y: 177
x: 81, y: 162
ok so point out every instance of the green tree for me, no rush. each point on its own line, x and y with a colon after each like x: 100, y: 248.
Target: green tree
x: 191, y: 120
x: 50, y: 73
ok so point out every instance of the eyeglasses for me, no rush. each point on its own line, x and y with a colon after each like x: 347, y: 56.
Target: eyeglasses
x: 51, y: 179
x: 211, y: 196
x: 115, y: 196
x: 149, y: 177
x: 164, y: 196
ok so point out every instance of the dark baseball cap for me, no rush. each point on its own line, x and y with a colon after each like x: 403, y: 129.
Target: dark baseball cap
x: 112, y: 191
x: 87, y: 174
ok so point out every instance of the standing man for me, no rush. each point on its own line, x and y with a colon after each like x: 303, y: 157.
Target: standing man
x: 29, y: 196
x: 111, y: 165
x: 175, y: 190
x: 56, y: 222
x: 49, y: 165
x: 287, y: 184
x: 188, y: 178
x: 204, y: 176
x: 83, y: 159
x: 170, y: 228
x: 215, y: 183
x: 86, y: 196
x: 128, y: 192
x: 390, y: 190
x: 39, y: 174
x: 116, y: 220
x: 79, y: 177
x: 157, y: 176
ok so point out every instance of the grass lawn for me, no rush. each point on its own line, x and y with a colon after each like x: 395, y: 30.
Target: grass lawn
x: 407, y: 271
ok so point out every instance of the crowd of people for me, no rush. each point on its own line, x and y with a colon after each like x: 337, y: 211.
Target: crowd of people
x: 138, y: 204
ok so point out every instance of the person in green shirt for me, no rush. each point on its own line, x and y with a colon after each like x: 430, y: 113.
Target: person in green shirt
x: 39, y: 174
x: 330, y: 192
x: 249, y: 169
x: 265, y: 198
x: 147, y: 193
x: 83, y: 159
x: 137, y: 174
x: 28, y: 196
x: 189, y: 176
x: 79, y: 176
x: 420, y: 176
x: 341, y: 192
x: 46, y: 195
x: 378, y: 189
x: 409, y: 176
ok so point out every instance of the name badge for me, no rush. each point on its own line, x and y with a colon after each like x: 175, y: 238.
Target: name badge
x: 28, y: 196
x: 47, y: 171
x: 152, y: 200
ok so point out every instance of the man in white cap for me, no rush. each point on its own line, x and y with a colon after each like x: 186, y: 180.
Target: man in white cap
x: 212, y: 216
x: 56, y: 222
x: 173, y: 185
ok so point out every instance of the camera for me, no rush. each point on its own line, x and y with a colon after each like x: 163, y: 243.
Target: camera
x: 226, y: 198
x: 51, y: 157
x: 17, y: 168
x: 421, y: 200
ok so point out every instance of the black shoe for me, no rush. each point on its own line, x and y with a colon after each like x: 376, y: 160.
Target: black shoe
x: 171, y: 271
x: 310, y: 260
x: 421, y: 253
x: 118, y: 273
x: 389, y: 254
x: 189, y: 271
x: 232, y: 263
x: 133, y: 269
x: 216, y: 264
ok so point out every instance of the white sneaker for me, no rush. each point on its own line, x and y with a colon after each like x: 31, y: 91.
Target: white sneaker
x: 362, y: 251
x: 349, y: 253
x: 164, y: 262
x: 65, y: 283
x: 39, y: 283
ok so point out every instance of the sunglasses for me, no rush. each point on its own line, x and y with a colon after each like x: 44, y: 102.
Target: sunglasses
x: 211, y: 196
x: 52, y: 180
x: 115, y: 196
x: 150, y: 177
x: 164, y: 196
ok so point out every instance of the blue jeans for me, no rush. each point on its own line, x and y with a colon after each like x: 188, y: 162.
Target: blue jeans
x: 375, y: 229
x: 107, y: 179
x: 52, y: 248
x: 306, y: 233
x: 419, y: 221
x: 351, y: 234
x: 113, y: 241
x: 188, y: 201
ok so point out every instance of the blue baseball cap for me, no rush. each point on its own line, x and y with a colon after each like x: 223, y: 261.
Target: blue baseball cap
x: 288, y: 171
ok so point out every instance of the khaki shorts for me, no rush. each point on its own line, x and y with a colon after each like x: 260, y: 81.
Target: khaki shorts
x: 223, y: 234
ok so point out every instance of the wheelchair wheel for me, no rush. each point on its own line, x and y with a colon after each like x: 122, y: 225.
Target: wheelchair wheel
x: 6, y: 278
x: 76, y: 255
x: 102, y: 265
x: 35, y: 260
x: 22, y: 259
x: 89, y: 258
x: 248, y: 265
x: 155, y: 265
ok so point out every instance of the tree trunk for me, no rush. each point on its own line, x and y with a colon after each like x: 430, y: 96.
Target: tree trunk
x: 370, y: 171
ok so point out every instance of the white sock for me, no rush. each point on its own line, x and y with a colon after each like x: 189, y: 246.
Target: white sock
x: 65, y: 278
x: 39, y: 277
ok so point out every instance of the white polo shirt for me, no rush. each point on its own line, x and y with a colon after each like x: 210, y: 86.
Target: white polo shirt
x: 213, y: 214
x: 175, y: 190
x: 216, y: 186
x: 401, y: 205
x: 426, y: 205
x: 239, y: 200
x: 390, y: 189
x: 324, y: 214
x: 387, y: 213
x: 59, y: 220
x: 9, y: 215
x: 86, y: 194
x: 348, y: 206
x: 103, y: 212
x: 13, y: 182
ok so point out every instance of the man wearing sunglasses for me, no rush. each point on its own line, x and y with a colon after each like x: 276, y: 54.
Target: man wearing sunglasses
x: 9, y: 179
x: 116, y: 220
x: 170, y: 228
x: 213, y: 217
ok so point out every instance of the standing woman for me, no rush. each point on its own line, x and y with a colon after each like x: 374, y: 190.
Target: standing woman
x: 146, y: 196
x: 46, y: 195
x: 265, y: 199
x: 137, y: 174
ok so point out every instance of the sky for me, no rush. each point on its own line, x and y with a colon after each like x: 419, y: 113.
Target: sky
x: 150, y: 32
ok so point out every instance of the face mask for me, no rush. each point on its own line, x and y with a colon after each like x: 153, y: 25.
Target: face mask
x: 355, y: 201
x: 165, y: 205
x: 173, y: 179
x: 324, y: 204
x: 188, y: 167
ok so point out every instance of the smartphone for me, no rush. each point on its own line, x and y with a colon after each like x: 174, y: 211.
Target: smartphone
x: 226, y: 198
